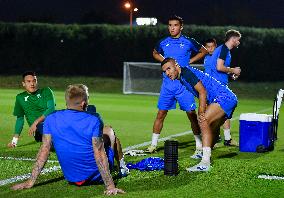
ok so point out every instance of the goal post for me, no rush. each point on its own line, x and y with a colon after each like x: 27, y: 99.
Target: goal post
x: 144, y: 77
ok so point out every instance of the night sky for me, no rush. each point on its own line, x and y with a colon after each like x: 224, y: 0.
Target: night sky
x: 257, y: 13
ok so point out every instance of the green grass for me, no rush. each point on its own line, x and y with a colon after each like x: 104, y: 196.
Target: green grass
x: 234, y: 174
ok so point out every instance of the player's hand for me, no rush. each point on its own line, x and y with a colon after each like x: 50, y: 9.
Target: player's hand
x: 201, y: 117
x: 24, y: 185
x: 114, y: 191
x: 32, y: 129
x: 11, y: 145
x: 237, y: 71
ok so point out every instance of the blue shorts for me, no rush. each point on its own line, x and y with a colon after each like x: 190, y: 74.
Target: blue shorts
x: 96, y: 176
x: 173, y: 91
x: 39, y: 127
x: 38, y: 132
x: 228, y: 102
x: 218, y: 93
x: 110, y: 155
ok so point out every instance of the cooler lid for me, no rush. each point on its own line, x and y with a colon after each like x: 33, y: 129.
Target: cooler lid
x: 256, y: 117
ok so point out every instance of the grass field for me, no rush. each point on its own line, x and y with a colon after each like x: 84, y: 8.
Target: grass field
x: 234, y: 174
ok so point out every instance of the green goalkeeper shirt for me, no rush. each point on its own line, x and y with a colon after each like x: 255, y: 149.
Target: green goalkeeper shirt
x: 34, y: 105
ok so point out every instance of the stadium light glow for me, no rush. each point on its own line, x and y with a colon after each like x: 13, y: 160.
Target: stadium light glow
x: 146, y: 21
x: 128, y: 5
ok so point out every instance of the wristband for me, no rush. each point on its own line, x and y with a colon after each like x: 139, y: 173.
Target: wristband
x: 230, y: 70
x: 15, y: 141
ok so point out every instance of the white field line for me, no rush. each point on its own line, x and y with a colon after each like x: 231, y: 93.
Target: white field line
x: 55, y: 168
x: 26, y: 176
x: 270, y: 177
x: 148, y: 143
x: 177, y: 135
x: 25, y: 159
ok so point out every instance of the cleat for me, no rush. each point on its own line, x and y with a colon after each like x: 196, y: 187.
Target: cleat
x: 123, y: 171
x: 230, y: 143
x: 217, y: 145
x: 151, y: 149
x: 197, y: 154
x: 201, y: 167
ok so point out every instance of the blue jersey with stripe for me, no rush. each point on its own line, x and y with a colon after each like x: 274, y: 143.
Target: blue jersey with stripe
x: 72, y: 132
x: 221, y: 52
x: 178, y: 48
x: 191, y: 76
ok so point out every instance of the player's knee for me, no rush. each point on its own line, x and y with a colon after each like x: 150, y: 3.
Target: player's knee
x: 161, y: 115
x: 109, y: 135
x: 108, y: 130
x: 210, y: 121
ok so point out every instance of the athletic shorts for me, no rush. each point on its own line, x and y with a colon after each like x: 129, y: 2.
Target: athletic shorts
x: 96, y: 176
x: 39, y: 132
x: 172, y: 91
x: 228, y: 102
x: 218, y: 93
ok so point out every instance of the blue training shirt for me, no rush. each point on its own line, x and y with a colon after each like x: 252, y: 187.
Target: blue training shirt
x: 221, y: 52
x: 207, y: 62
x: 72, y: 133
x: 189, y: 77
x: 178, y: 48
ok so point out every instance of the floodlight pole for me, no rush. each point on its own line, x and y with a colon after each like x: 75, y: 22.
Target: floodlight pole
x: 130, y: 20
x: 129, y: 5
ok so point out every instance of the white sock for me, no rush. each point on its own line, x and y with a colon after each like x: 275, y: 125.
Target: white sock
x: 198, y: 142
x: 155, y: 138
x: 227, y: 134
x: 122, y: 162
x: 15, y: 141
x: 206, y: 154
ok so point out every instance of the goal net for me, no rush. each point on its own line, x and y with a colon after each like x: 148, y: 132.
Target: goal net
x: 143, y: 77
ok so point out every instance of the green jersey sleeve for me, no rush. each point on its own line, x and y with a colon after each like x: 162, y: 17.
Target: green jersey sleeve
x: 50, y: 101
x: 18, y: 109
x: 19, y: 125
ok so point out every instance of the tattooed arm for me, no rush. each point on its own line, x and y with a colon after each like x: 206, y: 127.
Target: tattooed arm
x: 39, y: 164
x: 103, y: 166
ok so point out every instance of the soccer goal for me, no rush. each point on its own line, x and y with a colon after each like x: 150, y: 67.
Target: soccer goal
x: 143, y: 77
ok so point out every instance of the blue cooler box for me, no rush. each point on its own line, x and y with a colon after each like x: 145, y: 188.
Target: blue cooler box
x: 255, y: 130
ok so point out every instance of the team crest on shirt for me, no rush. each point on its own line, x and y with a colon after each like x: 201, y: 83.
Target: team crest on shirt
x: 38, y: 96
x: 181, y: 45
x: 167, y: 44
x: 26, y: 98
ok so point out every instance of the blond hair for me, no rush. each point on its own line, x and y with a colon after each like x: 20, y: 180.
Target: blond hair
x: 232, y: 33
x: 75, y: 94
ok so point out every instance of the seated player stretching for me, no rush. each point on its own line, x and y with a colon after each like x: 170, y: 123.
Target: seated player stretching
x: 84, y: 147
x: 34, y: 104
x: 216, y: 103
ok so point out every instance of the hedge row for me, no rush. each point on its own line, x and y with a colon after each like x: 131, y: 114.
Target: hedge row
x: 100, y: 50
